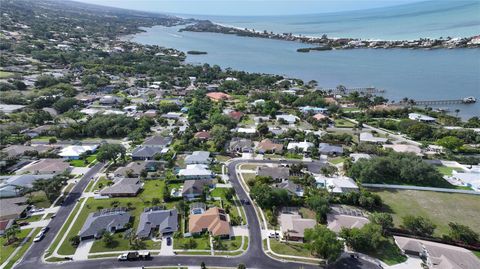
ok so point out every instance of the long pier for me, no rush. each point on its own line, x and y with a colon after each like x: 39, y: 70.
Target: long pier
x: 344, y: 90
x: 442, y: 102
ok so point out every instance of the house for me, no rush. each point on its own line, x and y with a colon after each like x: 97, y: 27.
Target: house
x: 74, y: 152
x: 438, y: 255
x: 123, y: 187
x: 13, y: 208
x: 320, y: 117
x: 156, y: 219
x: 197, y: 208
x: 218, y: 96
x: 302, y: 146
x: 290, y: 119
x: 172, y: 115
x: 370, y: 138
x: 336, y: 184
x: 405, y: 148
x: 193, y: 189
x: 15, y: 151
x: 147, y: 152
x: 12, y: 186
x: 240, y: 145
x: 267, y: 146
x: 198, y: 157
x: 214, y: 220
x: 236, y: 115
x: 276, y: 173
x: 5, y: 224
x: 195, y: 171
x: 331, y: 150
x: 8, y: 109
x: 107, y: 220
x: 202, y: 135
x: 245, y: 130
x: 258, y: 102
x: 157, y: 141
x: 314, y: 110
x: 293, y: 226
x: 45, y: 166
x: 335, y: 222
x: 357, y: 156
x: 110, y: 100
x: 40, y: 130
x: 421, y: 118
x: 135, y: 169
x: 291, y: 187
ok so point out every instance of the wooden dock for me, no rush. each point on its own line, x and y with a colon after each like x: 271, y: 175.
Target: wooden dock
x: 443, y: 102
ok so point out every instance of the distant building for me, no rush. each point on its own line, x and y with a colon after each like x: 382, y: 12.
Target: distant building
x: 290, y: 119
x: 218, y: 96
x: 302, y: 146
x: 421, y: 117
x: 291, y: 187
x: 193, y: 189
x: 370, y: 138
x: 276, y: 173
x: 12, y: 186
x: 157, y: 141
x: 147, y: 152
x: 327, y: 149
x: 202, y: 135
x: 267, y: 146
x: 45, y: 166
x: 123, y: 187
x: 240, y: 145
x: 7, y: 109
x: 314, y: 110
x: 336, y: 184
x: 135, y: 169
x: 13, y: 208
x: 336, y: 222
x: 404, y: 148
x: 74, y: 152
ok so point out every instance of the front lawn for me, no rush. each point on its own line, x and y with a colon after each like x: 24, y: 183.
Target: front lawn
x: 5, y: 74
x: 8, y: 250
x: 231, y: 244
x: 447, y: 170
x: 39, y: 199
x: 441, y: 208
x: 342, y: 123
x: 337, y: 160
x: 197, y: 243
x: 83, y: 163
x: 120, y: 243
x: 101, y: 183
x: 389, y: 253
x: 290, y: 248
x: 32, y: 218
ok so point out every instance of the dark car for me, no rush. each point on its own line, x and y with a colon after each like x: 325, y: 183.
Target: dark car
x: 45, y: 229
x: 169, y: 241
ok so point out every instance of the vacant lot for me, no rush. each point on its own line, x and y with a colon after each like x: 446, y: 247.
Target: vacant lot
x: 441, y: 208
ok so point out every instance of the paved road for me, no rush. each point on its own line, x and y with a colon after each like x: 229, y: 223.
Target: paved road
x: 254, y: 257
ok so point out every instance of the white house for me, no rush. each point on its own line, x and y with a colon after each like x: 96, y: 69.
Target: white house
x: 74, y: 152
x: 304, y: 146
x: 336, y: 184
x: 195, y: 171
x: 291, y: 119
x: 368, y: 137
x: 421, y: 117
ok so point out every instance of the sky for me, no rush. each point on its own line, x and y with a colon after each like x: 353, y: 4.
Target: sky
x: 248, y: 7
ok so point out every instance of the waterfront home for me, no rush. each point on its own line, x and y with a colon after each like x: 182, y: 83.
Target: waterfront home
x: 107, y: 220
x: 214, y: 220
x: 370, y: 138
x: 290, y: 119
x: 45, y: 166
x: 195, y: 171
x: 336, y: 184
x: 421, y: 117
x: 331, y: 150
x: 74, y: 152
x: 293, y: 226
x: 300, y: 146
x: 123, y: 187
x: 157, y: 220
x: 240, y: 145
x: 276, y: 173
x: 218, y: 96
x: 198, y: 157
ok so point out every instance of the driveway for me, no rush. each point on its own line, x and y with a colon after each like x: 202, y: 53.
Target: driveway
x: 166, y: 250
x: 83, y: 249
x: 36, y: 224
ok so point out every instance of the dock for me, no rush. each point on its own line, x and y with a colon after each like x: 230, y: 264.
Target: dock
x: 466, y: 100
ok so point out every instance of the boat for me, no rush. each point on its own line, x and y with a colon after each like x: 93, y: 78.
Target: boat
x: 469, y: 100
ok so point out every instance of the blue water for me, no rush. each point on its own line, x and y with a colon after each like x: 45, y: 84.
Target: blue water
x: 434, y: 19
x: 418, y: 74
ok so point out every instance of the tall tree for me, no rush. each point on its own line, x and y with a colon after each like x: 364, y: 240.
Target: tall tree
x: 323, y: 243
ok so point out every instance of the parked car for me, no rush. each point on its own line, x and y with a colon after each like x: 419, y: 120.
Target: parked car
x: 39, y: 237
x: 274, y: 235
x: 134, y: 255
x: 45, y: 229
x: 169, y: 241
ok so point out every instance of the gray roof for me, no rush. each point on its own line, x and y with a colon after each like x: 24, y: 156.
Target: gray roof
x: 327, y: 148
x: 274, y: 172
x: 194, y: 187
x: 241, y: 144
x: 128, y: 186
x: 202, y: 157
x: 12, y: 207
x: 290, y: 187
x: 22, y: 180
x: 165, y: 221
x: 146, y: 151
x: 106, y: 219
x: 157, y: 141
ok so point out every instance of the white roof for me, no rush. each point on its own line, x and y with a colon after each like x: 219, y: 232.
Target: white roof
x: 288, y: 118
x: 73, y: 151
x: 246, y: 130
x: 368, y: 137
x: 301, y: 145
x: 404, y: 148
x: 10, y: 108
x: 195, y: 170
x: 420, y: 117
x: 336, y: 184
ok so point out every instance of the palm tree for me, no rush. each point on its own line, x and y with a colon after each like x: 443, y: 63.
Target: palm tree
x: 456, y: 112
x: 12, y: 232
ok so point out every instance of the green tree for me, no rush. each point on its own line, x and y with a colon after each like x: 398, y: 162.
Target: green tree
x: 366, y: 239
x: 75, y: 240
x: 64, y: 104
x: 462, y: 233
x: 12, y: 232
x: 385, y: 220
x: 323, y: 243
x: 450, y: 142
x: 110, y: 152
x: 108, y: 239
x: 318, y: 202
x: 419, y: 225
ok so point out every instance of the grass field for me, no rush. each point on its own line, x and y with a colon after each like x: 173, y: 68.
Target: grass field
x: 232, y: 244
x: 202, y: 243
x: 8, y: 250
x: 4, y: 74
x: 81, y: 163
x: 337, y: 160
x: 341, y: 123
x: 39, y: 199
x: 294, y: 249
x: 120, y: 243
x: 441, y: 208
x: 446, y: 170
x: 22, y: 250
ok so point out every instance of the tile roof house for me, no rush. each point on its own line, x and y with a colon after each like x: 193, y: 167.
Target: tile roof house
x: 123, y: 187
x: 198, y: 157
x: 276, y: 173
x: 202, y: 135
x: 74, y: 152
x: 236, y: 115
x: 13, y: 208
x: 45, y: 166
x: 195, y: 171
x: 327, y: 149
x: 218, y: 96
x: 193, y: 189
x: 320, y: 116
x: 155, y: 219
x: 437, y: 255
x: 370, y: 138
x: 293, y: 226
x: 240, y: 145
x: 214, y: 220
x: 106, y: 220
x: 267, y: 146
